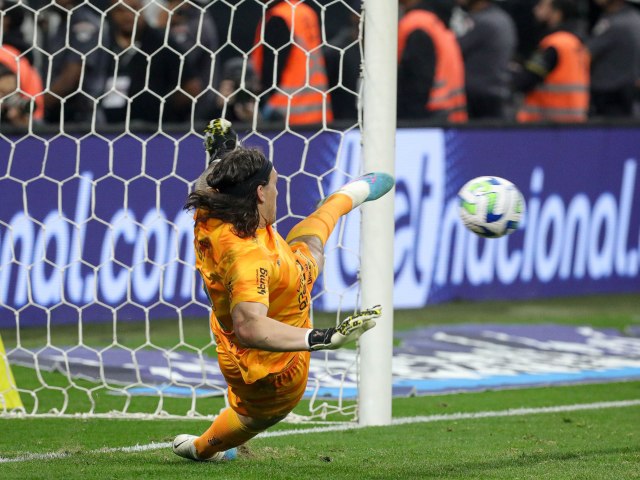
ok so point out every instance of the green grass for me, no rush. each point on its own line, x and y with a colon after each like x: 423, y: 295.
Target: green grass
x: 601, y: 311
x: 591, y: 444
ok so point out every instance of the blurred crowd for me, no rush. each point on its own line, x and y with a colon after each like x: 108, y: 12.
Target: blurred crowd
x: 159, y: 62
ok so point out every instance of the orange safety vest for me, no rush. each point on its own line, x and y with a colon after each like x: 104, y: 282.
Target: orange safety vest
x: 448, y: 92
x: 29, y: 80
x: 301, y: 96
x: 564, y: 94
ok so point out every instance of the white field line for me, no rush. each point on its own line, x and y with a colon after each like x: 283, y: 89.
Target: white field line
x: 344, y: 426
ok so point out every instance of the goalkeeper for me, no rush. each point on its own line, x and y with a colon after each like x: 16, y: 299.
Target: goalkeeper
x: 260, y: 289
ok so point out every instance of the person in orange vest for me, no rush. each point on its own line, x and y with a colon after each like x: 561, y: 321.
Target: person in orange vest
x: 555, y: 79
x: 21, y: 95
x: 430, y: 64
x: 294, y: 82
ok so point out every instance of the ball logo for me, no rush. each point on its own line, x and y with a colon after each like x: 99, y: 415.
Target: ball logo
x: 490, y: 206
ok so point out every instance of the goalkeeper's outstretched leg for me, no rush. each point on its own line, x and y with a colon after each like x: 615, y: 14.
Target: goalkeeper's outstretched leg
x: 317, y: 227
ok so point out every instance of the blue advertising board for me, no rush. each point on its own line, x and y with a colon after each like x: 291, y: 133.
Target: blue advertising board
x: 580, y: 234
x: 92, y: 227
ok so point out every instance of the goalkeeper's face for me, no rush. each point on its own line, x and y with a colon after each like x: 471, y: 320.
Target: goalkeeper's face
x: 268, y: 197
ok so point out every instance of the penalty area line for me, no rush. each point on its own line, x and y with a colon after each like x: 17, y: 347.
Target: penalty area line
x: 513, y: 412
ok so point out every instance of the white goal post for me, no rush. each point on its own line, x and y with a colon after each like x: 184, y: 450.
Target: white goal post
x: 101, y: 311
x: 378, y: 221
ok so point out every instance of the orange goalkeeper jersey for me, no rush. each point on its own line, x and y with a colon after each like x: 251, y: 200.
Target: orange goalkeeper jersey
x: 261, y: 269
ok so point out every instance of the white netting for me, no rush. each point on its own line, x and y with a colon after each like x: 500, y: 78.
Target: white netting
x: 100, y: 309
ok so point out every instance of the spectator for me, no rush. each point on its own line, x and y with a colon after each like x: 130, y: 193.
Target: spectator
x: 556, y: 77
x: 70, y: 24
x: 488, y: 44
x: 294, y: 81
x: 143, y: 70
x: 13, y: 14
x: 14, y: 108
x: 343, y: 56
x: 527, y: 28
x: 237, y: 100
x: 431, y: 70
x: 27, y: 89
x: 195, y: 33
x: 615, y: 52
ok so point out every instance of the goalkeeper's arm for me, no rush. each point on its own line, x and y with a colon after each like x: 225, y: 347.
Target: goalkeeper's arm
x: 219, y: 139
x: 347, y: 331
x: 254, y: 329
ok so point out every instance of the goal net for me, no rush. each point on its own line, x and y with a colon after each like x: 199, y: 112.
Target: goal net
x: 101, y: 312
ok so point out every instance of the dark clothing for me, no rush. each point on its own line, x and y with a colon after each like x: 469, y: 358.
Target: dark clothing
x: 535, y: 70
x: 83, y: 37
x: 129, y: 78
x: 487, y: 45
x: 343, y: 56
x: 13, y: 15
x: 277, y: 37
x: 613, y: 103
x: 615, y: 62
x: 416, y: 72
x: 82, y: 34
x: 417, y: 66
x: 198, y: 43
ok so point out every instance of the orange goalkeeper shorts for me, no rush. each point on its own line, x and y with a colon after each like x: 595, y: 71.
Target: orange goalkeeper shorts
x: 272, y: 396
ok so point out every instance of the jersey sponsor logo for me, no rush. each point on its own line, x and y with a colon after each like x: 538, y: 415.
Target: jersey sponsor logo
x: 261, y: 280
x: 303, y: 291
x: 303, y: 301
x: 229, y: 287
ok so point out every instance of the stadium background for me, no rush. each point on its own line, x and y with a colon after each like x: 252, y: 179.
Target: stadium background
x: 580, y: 244
x: 581, y: 233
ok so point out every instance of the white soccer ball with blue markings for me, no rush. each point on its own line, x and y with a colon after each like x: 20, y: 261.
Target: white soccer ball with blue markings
x: 491, y: 206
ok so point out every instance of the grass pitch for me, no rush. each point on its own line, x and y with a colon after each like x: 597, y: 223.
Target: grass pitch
x: 585, y: 444
x: 588, y: 444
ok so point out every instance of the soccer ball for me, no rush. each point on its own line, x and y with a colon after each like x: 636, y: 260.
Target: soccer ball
x: 491, y: 206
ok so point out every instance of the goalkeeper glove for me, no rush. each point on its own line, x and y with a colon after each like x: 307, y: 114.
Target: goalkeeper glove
x: 219, y: 138
x: 348, y: 330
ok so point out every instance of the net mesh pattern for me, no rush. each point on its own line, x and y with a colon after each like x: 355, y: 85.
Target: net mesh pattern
x: 101, y: 311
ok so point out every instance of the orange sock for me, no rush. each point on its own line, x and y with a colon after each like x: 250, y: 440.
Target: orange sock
x: 322, y: 222
x: 226, y: 431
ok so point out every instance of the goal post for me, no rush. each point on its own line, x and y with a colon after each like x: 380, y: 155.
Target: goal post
x: 378, y: 226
